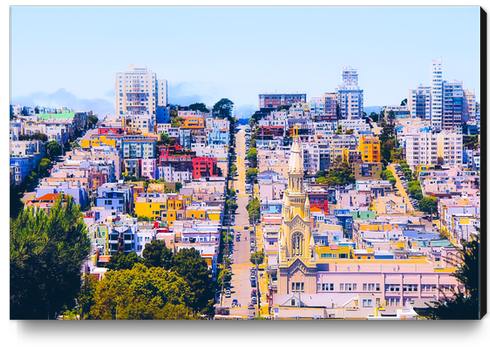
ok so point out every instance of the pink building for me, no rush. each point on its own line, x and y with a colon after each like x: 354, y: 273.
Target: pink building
x: 365, y: 285
x: 148, y: 168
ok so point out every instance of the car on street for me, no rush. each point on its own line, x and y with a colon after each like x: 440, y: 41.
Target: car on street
x: 234, y: 302
x: 251, y: 306
x: 253, y: 292
x: 253, y: 284
x: 254, y: 300
x: 227, y: 293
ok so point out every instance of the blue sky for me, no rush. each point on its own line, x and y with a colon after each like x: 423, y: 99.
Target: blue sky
x: 68, y: 56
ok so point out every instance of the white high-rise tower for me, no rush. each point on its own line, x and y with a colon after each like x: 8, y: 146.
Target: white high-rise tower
x: 436, y: 93
x: 138, y: 91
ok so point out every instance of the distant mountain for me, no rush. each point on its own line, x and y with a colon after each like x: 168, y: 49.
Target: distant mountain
x: 369, y: 109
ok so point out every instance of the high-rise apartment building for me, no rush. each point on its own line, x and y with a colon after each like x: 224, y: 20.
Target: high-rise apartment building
x: 419, y: 101
x: 274, y: 100
x: 469, y: 106
x: 138, y: 91
x: 349, y: 96
x: 450, y: 149
x: 452, y: 107
x: 421, y: 148
x: 436, y: 93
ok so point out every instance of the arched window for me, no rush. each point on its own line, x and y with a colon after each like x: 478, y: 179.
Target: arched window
x: 297, y: 242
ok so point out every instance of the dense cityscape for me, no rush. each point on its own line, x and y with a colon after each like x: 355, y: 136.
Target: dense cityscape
x: 311, y: 209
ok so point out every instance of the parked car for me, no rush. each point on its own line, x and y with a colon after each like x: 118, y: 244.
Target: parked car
x: 234, y: 302
x: 254, y: 284
x: 254, y: 300
x: 254, y: 292
x: 251, y: 306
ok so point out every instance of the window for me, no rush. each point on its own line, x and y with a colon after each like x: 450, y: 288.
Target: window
x: 367, y: 303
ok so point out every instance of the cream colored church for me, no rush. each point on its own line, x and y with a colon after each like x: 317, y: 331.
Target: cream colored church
x: 296, y: 265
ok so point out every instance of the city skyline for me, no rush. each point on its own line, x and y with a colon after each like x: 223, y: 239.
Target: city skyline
x: 292, y: 50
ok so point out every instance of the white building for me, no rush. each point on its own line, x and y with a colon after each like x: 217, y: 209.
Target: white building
x: 421, y: 148
x: 450, y: 149
x: 349, y: 96
x: 436, y: 93
x: 138, y: 91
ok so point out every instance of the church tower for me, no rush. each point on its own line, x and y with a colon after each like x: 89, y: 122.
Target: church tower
x: 297, y: 266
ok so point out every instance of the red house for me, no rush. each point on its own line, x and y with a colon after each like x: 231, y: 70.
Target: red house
x: 204, y: 167
x: 111, y: 131
x: 319, y: 200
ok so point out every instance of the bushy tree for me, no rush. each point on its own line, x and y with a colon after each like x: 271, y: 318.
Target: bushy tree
x: 428, y: 205
x: 157, y: 254
x: 54, y: 149
x: 253, y: 208
x: 92, y: 121
x: 164, y: 138
x: 252, y: 174
x: 142, y: 293
x: 189, y: 265
x: 223, y: 108
x: 124, y: 261
x: 257, y: 257
x: 46, y: 255
x: 198, y: 106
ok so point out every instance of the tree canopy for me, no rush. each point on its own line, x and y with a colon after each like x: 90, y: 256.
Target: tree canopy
x: 142, y: 293
x: 123, y: 261
x: 189, y: 264
x: 54, y: 149
x: 157, y: 254
x: 198, y: 106
x: 46, y: 254
x: 223, y: 108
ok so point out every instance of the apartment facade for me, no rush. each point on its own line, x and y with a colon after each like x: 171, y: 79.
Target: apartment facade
x: 350, y: 97
x: 138, y: 91
x: 275, y: 100
x: 421, y: 148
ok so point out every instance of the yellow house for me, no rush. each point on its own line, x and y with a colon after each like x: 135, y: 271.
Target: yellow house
x: 335, y: 252
x: 193, y: 123
x: 160, y: 208
x: 97, y: 141
x: 370, y: 149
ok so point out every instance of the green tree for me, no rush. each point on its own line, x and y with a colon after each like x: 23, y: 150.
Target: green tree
x: 164, y: 138
x: 157, y: 254
x: 233, y: 169
x: 123, y: 261
x: 231, y: 206
x: 320, y: 173
x: 252, y: 174
x: 46, y: 254
x: 257, y: 257
x: 224, y: 276
x: 252, y: 155
x: 178, y: 186
x: 142, y: 293
x: 198, y: 106
x: 189, y: 264
x: 428, y: 205
x: 253, y: 208
x: 92, y: 121
x: 177, y: 122
x: 54, y: 149
x: 86, y: 296
x: 223, y: 108
x: 321, y: 180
